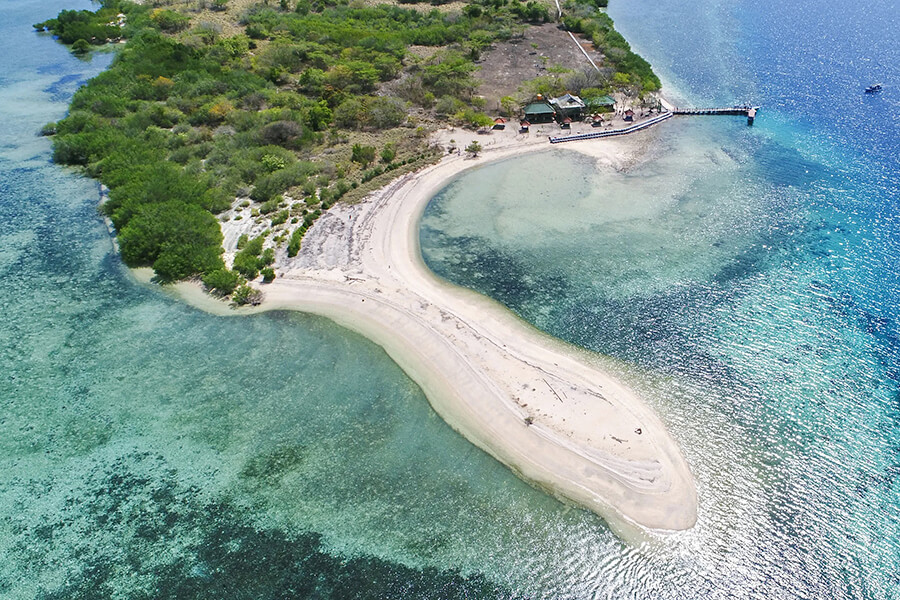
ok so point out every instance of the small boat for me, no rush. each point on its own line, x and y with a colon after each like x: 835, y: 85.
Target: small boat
x: 873, y: 88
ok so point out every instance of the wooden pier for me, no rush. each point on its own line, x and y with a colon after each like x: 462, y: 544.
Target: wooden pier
x: 610, y: 132
x: 744, y: 111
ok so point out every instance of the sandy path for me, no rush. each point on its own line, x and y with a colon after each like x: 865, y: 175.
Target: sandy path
x: 536, y: 404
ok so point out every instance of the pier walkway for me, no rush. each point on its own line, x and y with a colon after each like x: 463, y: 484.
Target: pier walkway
x: 730, y: 110
x: 611, y: 132
x: 746, y: 110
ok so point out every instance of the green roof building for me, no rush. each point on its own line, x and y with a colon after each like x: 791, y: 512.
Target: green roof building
x: 539, y: 111
x: 601, y: 102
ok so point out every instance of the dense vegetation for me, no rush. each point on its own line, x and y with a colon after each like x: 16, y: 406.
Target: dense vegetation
x: 582, y: 16
x: 188, y: 123
x: 97, y: 27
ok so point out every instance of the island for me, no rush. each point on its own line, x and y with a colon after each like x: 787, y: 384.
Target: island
x: 241, y: 143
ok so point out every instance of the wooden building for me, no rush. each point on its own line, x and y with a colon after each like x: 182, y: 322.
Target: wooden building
x: 568, y: 106
x: 539, y: 111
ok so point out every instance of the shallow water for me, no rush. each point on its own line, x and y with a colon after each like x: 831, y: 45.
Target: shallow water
x: 747, y: 278
x: 744, y: 280
x: 145, y: 445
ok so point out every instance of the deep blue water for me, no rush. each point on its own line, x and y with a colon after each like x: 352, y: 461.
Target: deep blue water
x: 748, y: 277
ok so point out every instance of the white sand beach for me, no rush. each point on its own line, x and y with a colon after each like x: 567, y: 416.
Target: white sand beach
x: 539, y: 406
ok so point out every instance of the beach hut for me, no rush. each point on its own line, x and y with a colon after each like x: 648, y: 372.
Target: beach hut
x: 566, y: 123
x: 523, y: 126
x: 596, y: 120
x: 539, y: 111
x: 629, y: 115
x: 499, y: 124
x: 568, y: 105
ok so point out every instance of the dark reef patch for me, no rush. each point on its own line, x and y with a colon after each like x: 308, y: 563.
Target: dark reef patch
x: 137, y: 530
x: 477, y: 264
x: 269, y: 468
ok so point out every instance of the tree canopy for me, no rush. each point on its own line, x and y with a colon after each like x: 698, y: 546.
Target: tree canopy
x: 186, y: 119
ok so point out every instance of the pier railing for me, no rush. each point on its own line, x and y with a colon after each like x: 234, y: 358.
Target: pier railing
x: 746, y: 111
x: 610, y: 132
x: 728, y: 110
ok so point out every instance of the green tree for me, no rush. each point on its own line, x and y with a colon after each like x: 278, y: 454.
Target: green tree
x: 319, y: 116
x: 221, y: 281
x: 245, y: 294
x: 363, y: 155
x: 80, y: 46
x: 177, y: 239
x: 474, y: 148
x: 509, y: 106
x: 169, y: 20
x: 389, y: 152
x: 385, y: 112
x: 247, y: 261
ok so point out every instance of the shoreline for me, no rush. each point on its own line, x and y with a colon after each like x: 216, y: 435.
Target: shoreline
x: 533, y: 402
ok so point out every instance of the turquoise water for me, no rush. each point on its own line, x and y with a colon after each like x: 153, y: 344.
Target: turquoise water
x: 150, y: 450
x: 746, y: 277
x: 745, y: 281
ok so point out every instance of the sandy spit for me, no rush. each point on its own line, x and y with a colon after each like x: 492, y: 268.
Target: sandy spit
x: 539, y: 406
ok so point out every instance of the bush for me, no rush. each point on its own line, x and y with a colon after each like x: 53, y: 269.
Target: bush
x: 269, y: 186
x: 473, y: 118
x: 245, y: 294
x: 177, y: 239
x: 296, y: 239
x: 362, y: 154
x: 509, y: 107
x: 268, y: 275
x: 280, y: 217
x: 255, y: 245
x: 448, y: 105
x: 73, y: 25
x: 386, y: 112
x: 169, y: 20
x: 319, y: 116
x: 271, y: 162
x: 221, y: 281
x: 247, y: 265
x: 287, y: 134
x: 270, y: 206
x: 81, y: 46
x: 450, y: 74
x: 381, y: 112
x: 247, y: 262
x: 389, y: 152
x: 341, y: 188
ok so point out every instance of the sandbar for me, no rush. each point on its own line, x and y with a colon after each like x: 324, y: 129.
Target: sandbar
x: 541, y: 407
